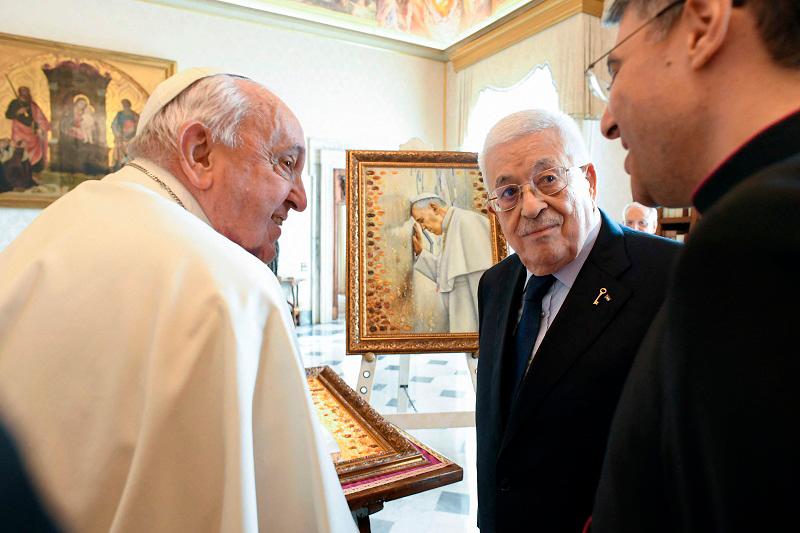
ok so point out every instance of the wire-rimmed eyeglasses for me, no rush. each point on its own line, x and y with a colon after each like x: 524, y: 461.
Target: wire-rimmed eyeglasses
x: 548, y: 182
x: 600, y: 82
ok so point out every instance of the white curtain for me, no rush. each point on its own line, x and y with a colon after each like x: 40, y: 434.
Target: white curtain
x: 567, y: 48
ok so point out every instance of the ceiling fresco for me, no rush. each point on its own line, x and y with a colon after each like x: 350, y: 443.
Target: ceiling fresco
x: 434, y: 23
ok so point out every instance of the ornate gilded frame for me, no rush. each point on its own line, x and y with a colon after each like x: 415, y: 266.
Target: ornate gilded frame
x: 23, y: 61
x: 353, y: 419
x: 361, y: 165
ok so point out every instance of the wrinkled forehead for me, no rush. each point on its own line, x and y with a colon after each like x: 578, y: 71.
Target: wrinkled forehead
x: 524, y: 156
x: 635, y: 213
x: 271, y: 117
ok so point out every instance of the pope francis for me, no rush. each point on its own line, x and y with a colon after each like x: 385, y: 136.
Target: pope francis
x: 465, y: 253
x: 148, y: 367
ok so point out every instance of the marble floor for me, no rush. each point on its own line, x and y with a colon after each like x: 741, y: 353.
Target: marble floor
x: 438, y: 382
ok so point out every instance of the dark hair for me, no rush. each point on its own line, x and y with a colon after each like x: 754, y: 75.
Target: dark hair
x: 777, y: 22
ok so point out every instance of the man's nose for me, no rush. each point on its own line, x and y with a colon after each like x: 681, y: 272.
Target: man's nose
x: 532, y: 202
x: 297, y: 196
x: 608, y: 125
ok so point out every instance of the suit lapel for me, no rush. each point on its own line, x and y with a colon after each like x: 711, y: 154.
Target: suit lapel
x: 508, y: 303
x: 578, y: 324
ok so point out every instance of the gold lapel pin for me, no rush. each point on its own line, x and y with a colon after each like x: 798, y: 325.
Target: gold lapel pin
x: 603, y: 294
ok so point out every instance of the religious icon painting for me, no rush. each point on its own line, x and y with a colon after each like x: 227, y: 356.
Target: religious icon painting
x: 69, y: 113
x: 419, y: 238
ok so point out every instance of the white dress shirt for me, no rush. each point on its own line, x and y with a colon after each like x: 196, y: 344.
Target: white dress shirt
x: 565, y: 278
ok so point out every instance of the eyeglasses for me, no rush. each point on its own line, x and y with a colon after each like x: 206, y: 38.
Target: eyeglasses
x: 600, y: 82
x: 548, y: 182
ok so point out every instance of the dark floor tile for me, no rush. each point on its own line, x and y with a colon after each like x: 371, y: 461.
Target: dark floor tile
x: 392, y: 403
x: 448, y: 393
x: 331, y: 362
x: 453, y: 502
x: 393, y: 367
x: 421, y: 379
x: 379, y: 386
x: 437, y: 362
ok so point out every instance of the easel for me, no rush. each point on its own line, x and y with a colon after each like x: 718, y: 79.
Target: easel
x: 402, y: 419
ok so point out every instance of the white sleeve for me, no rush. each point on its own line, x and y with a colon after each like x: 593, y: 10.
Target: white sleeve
x: 296, y: 483
x: 427, y: 264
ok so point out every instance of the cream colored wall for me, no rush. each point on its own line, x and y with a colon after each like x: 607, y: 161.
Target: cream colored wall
x: 361, y: 96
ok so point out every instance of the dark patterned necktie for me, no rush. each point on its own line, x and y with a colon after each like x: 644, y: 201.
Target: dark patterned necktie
x: 528, y: 327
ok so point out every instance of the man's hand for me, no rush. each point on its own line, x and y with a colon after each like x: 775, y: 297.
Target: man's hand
x: 416, y: 239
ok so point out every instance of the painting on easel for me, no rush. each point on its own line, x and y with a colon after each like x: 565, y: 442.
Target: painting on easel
x: 420, y: 237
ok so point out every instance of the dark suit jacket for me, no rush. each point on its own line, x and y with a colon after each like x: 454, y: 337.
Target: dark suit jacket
x: 20, y: 506
x: 705, y: 438
x: 539, y: 468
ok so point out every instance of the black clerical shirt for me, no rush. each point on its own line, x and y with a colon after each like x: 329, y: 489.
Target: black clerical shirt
x: 704, y: 438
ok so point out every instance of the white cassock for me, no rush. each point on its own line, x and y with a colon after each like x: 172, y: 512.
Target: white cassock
x: 150, y: 374
x: 466, y: 254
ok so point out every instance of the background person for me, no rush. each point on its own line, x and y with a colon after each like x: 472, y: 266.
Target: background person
x: 640, y: 217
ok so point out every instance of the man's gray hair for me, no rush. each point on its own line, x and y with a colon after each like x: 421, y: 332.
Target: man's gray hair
x: 532, y: 121
x: 217, y: 101
x: 651, y: 214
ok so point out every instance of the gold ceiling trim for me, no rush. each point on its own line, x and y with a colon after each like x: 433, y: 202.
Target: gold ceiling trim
x: 519, y: 27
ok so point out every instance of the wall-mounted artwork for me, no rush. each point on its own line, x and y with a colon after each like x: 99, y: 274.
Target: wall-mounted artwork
x: 419, y: 239
x: 68, y: 114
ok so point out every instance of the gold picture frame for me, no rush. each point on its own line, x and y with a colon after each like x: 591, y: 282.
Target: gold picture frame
x: 400, y: 465
x: 68, y: 113
x: 369, y: 446
x: 419, y: 237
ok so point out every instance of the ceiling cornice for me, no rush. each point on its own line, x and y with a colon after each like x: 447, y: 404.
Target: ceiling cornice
x: 518, y: 27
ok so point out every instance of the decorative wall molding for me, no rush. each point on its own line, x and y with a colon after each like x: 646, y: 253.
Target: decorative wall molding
x: 517, y: 27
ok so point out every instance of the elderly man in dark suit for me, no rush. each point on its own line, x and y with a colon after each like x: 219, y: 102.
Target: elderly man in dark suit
x: 560, y: 323
x: 706, y: 98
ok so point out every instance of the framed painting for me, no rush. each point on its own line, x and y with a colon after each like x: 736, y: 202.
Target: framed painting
x: 68, y: 114
x: 375, y: 461
x: 419, y: 239
x: 366, y: 444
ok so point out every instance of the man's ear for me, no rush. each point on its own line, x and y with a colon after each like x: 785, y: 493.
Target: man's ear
x: 591, y: 177
x: 707, y: 23
x: 195, y: 157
